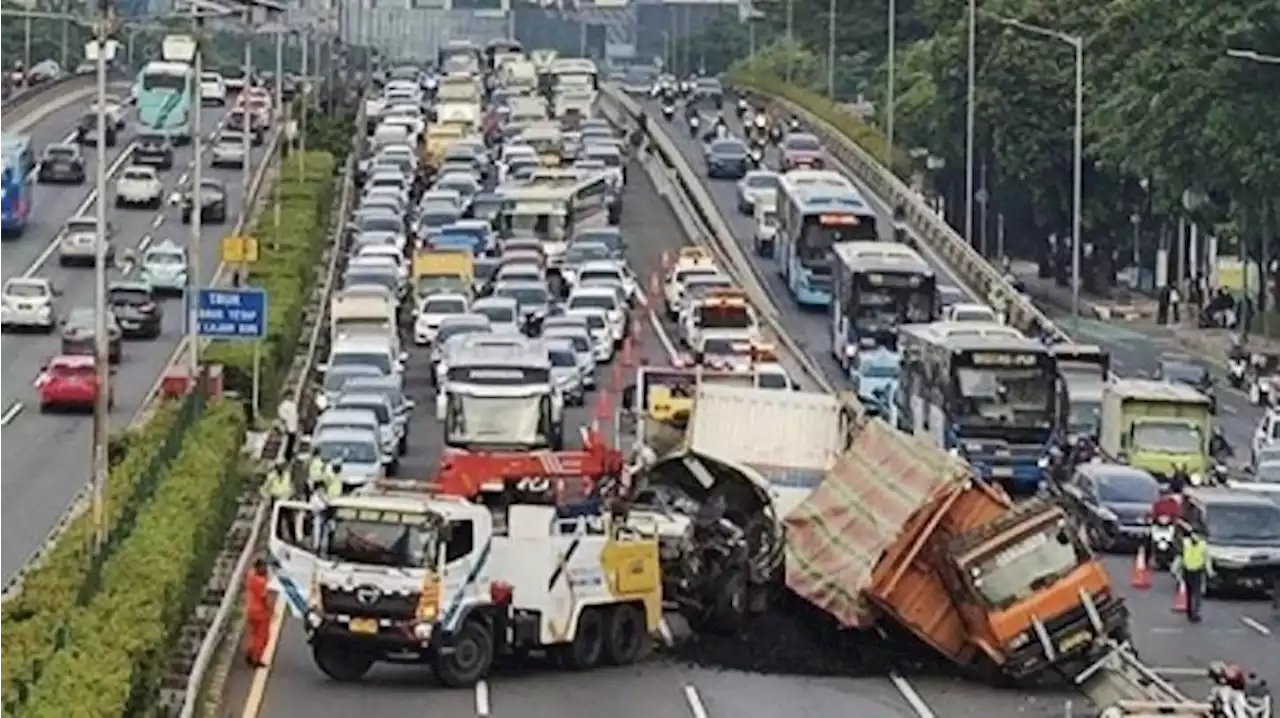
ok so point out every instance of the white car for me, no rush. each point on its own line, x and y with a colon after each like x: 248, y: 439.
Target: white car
x: 1267, y: 432
x: 114, y: 109
x: 385, y: 250
x: 28, y: 302
x: 213, y: 90
x: 503, y: 313
x: 602, y: 339
x: 606, y: 300
x: 673, y: 289
x: 432, y: 312
x: 139, y: 185
x: 970, y: 312
x: 609, y: 270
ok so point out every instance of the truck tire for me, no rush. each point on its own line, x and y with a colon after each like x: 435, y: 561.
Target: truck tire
x: 471, y: 658
x: 588, y: 644
x: 625, y: 636
x: 341, y: 662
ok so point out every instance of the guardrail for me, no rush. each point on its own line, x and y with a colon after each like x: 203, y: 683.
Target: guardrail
x: 712, y: 232
x: 42, y: 93
x: 80, y: 502
x: 1119, y: 680
x: 298, y: 388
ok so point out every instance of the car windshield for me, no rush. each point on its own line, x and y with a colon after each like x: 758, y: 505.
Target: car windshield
x: 73, y: 370
x: 380, y: 223
x: 337, y: 378
x: 879, y: 370
x: 496, y: 314
x: 582, y: 252
x: 80, y: 319
x: 729, y: 148
x: 82, y: 226
x: 444, y: 305
x: 595, y: 321
x: 449, y: 331
x: 592, y: 301
x: 580, y: 341
x: 349, y: 451
x: 495, y: 419
x: 563, y: 357
x: 1168, y: 437
x: 139, y: 174
x: 762, y: 180
x: 524, y: 295
x: 1128, y: 488
x: 720, y: 346
x: 1243, y: 522
x: 1085, y: 416
x: 26, y: 290
x: 236, y: 139
x: 128, y: 295
x: 376, y: 359
x: 1021, y: 569
x: 608, y: 238
x: 608, y: 274
x: 378, y: 408
x: 399, y: 540
x: 802, y: 143
x: 1182, y: 372
x: 60, y: 152
x: 771, y: 380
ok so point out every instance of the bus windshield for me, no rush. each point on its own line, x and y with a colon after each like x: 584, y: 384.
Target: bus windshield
x: 1019, y: 396
x: 881, y: 308
x: 824, y: 230
x: 163, y: 82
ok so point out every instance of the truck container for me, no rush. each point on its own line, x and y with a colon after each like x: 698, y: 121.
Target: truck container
x: 178, y: 48
x: 1156, y: 426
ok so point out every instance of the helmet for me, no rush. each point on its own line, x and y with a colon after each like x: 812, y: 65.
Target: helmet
x: 1234, y: 677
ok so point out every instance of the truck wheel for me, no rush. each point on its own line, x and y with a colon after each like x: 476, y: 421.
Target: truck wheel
x: 625, y: 635
x: 340, y: 662
x: 588, y: 642
x: 471, y: 658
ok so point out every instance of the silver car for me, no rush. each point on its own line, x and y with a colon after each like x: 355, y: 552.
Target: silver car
x: 359, y: 451
x: 78, y: 242
x: 757, y: 185
x: 577, y: 334
x: 390, y: 428
x: 566, y: 372
x: 228, y: 150
x: 335, y: 382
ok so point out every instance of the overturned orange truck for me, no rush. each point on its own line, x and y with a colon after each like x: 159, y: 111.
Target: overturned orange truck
x: 899, y: 530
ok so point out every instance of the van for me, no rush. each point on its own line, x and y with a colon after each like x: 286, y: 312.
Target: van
x: 382, y: 353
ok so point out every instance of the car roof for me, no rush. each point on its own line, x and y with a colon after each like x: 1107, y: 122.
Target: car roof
x: 130, y: 285
x: 336, y: 415
x: 344, y: 434
x: 1221, y: 496
x: 601, y: 265
x: 492, y: 301
x: 72, y: 360
x: 357, y: 397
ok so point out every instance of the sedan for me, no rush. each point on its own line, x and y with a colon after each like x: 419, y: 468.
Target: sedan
x: 79, y: 330
x: 228, y: 150
x: 727, y: 159
x: 28, y: 302
x: 61, y: 163
x: 153, y: 149
x: 135, y: 307
x: 757, y: 186
x: 139, y: 185
x: 70, y: 382
x: 566, y: 371
x: 87, y: 131
x: 801, y: 150
x: 1187, y: 372
x: 164, y: 267
x: 1114, y: 501
x: 213, y: 203
x: 78, y: 242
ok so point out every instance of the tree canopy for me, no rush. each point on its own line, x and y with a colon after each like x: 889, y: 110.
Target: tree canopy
x: 1167, y: 113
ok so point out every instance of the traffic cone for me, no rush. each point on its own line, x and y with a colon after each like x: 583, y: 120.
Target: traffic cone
x: 1180, y: 598
x: 1141, y: 571
x: 628, y: 353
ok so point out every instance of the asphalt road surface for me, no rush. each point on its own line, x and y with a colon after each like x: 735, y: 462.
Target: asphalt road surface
x: 1238, y: 631
x: 296, y: 689
x: 47, y: 457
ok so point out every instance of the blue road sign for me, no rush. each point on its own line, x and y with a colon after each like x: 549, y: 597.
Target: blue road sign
x: 232, y: 313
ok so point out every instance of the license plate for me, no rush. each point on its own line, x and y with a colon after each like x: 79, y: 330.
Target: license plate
x: 1074, y: 641
x: 1002, y: 472
x: 364, y: 626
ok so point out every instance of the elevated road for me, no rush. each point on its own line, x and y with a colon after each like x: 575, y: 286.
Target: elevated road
x: 47, y: 457
x: 294, y: 688
x: 1238, y: 631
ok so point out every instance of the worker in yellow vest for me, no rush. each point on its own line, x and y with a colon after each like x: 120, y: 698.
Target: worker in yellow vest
x: 1193, y: 567
x: 317, y: 468
x: 278, y: 485
x: 333, y: 479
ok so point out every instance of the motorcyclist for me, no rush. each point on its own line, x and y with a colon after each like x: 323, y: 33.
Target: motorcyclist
x: 1237, y: 350
x: 1168, y: 505
x: 1218, y: 445
x: 899, y: 222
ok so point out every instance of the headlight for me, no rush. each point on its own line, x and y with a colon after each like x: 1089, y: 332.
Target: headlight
x: 1197, y: 478
x: 422, y: 631
x: 1043, y: 462
x: 957, y: 452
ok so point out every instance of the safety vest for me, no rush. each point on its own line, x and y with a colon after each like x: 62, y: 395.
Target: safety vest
x: 278, y: 485
x: 1195, y: 553
x: 316, y: 469
x: 332, y: 483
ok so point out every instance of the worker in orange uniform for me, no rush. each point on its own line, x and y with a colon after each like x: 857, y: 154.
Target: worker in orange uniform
x: 257, y: 611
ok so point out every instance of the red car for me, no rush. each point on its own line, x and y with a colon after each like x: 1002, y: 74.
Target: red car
x: 801, y: 150
x: 69, y: 381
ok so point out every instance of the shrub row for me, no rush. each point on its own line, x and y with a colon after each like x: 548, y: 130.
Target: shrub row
x: 286, y: 270
x: 67, y: 576
x: 116, y: 645
x: 862, y: 134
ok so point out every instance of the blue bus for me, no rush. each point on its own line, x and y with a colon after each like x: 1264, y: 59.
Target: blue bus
x: 165, y: 92
x: 877, y: 287
x: 817, y: 209
x: 986, y: 394
x: 16, y: 184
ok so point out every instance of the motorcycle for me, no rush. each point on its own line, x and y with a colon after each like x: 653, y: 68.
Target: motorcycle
x: 1236, y: 367
x: 694, y: 122
x: 742, y: 109
x: 775, y: 134
x: 668, y: 112
x: 1162, y: 543
x: 756, y: 157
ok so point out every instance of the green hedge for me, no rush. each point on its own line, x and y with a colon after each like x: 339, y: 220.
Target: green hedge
x: 286, y: 269
x: 68, y: 575
x: 864, y: 135
x: 117, y: 645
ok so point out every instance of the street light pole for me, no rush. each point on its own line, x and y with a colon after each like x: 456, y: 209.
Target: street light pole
x: 791, y: 35
x: 1076, y: 42
x: 831, y: 50
x: 284, y: 119
x: 891, y: 98
x: 193, y: 257
x: 246, y: 166
x: 101, y: 342
x: 969, y: 110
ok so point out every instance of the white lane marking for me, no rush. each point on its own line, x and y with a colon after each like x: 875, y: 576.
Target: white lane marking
x: 1229, y: 409
x: 482, y: 699
x: 1255, y: 625
x: 913, y: 699
x: 146, y: 242
x: 85, y: 205
x: 159, y: 220
x: 182, y: 178
x: 9, y: 414
x: 664, y: 630
x: 695, y: 702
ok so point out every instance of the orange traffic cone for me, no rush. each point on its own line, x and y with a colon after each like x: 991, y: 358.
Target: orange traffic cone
x: 628, y: 353
x: 1141, y: 571
x: 1180, y: 598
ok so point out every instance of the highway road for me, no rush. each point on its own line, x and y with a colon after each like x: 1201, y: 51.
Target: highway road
x: 47, y: 457
x: 296, y: 689
x: 1240, y: 631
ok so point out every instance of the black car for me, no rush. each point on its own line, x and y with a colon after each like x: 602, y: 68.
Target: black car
x: 1114, y: 502
x: 61, y: 163
x: 155, y: 150
x: 727, y: 159
x: 137, y: 311
x: 213, y: 203
x: 1187, y: 372
x: 87, y: 130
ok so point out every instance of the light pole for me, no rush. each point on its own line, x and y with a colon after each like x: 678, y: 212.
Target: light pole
x: 101, y: 342
x: 791, y: 35
x: 1076, y: 42
x: 831, y: 50
x: 969, y: 110
x: 197, y: 207
x: 1254, y: 56
x: 891, y: 98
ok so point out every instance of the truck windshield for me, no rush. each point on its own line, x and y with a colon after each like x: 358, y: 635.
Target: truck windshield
x: 381, y: 543
x: 1020, y: 570
x: 1167, y: 437
x: 1085, y: 418
x: 496, y: 420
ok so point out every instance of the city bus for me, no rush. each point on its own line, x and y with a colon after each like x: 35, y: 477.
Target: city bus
x: 165, y: 93
x: 817, y: 210
x: 877, y: 287
x: 16, y: 184
x: 993, y: 400
x: 461, y: 56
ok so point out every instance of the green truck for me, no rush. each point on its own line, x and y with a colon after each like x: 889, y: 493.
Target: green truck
x: 1156, y: 426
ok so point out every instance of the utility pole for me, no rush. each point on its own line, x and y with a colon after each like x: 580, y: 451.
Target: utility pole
x: 101, y: 342
x: 197, y: 145
x: 246, y: 167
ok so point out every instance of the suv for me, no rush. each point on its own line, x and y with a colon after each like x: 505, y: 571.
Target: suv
x: 228, y: 150
x: 155, y: 150
x: 61, y: 163
x: 78, y: 242
x: 139, y: 185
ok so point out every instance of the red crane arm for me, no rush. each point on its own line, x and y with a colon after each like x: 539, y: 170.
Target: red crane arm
x: 465, y: 474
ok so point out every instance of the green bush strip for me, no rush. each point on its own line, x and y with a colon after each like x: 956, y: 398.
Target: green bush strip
x: 286, y: 270
x: 69, y: 574
x: 860, y: 133
x: 117, y: 645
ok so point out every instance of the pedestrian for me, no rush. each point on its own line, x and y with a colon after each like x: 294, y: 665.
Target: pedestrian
x: 287, y: 412
x: 1175, y: 315
x: 257, y: 612
x: 1192, y: 567
x: 278, y: 485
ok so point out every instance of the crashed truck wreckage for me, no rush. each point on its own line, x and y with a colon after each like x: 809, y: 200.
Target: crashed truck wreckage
x: 878, y: 527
